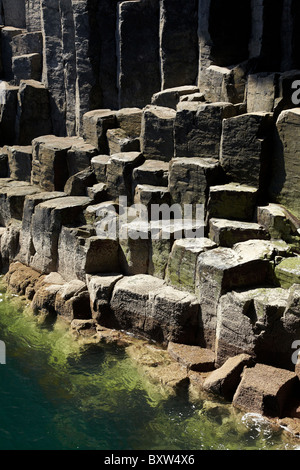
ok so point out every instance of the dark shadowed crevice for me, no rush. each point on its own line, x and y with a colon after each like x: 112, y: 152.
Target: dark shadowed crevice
x: 230, y: 29
x: 102, y: 53
x: 269, y: 29
x: 295, y: 13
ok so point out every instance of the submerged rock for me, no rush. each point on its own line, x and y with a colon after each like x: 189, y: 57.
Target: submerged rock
x: 156, y: 365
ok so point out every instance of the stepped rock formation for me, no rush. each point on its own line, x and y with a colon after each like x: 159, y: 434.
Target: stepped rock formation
x: 107, y: 106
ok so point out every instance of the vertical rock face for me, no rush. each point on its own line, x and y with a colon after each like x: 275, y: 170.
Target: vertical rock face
x: 108, y: 54
x: 85, y: 78
x: 14, y: 13
x: 47, y: 221
x: 103, y: 40
x: 77, y: 37
x: 178, y: 42
x: 265, y: 44
x: 138, y: 52
x: 219, y: 271
x: 245, y: 148
x: 187, y: 109
x: 7, y: 35
x: 8, y: 114
x: 286, y: 171
x: 53, y: 66
x: 33, y: 15
x: 34, y: 114
x: 224, y: 34
x: 26, y: 244
x: 20, y: 162
x: 190, y: 178
x: 261, y: 92
x: 157, y: 133
x: 67, y: 63
x: 198, y: 128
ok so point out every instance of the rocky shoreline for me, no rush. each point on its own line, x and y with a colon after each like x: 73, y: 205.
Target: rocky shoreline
x: 249, y: 385
x: 217, y: 294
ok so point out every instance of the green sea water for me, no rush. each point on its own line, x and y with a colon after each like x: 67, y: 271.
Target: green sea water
x: 56, y: 394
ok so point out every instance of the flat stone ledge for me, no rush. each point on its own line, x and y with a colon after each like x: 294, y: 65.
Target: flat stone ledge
x: 193, y: 357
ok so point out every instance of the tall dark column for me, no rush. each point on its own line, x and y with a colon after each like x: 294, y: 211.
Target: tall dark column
x: 138, y: 52
x: 178, y: 42
x: 265, y: 45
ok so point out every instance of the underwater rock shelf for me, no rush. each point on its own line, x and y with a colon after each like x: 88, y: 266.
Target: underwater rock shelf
x: 206, y: 120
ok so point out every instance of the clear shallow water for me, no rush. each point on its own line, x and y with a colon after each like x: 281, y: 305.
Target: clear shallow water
x: 56, y: 395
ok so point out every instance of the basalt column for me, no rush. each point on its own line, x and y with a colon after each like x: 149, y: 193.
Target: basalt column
x: 224, y: 35
x: 290, y: 35
x: 178, y: 42
x: 80, y: 59
x: 69, y: 55
x: 224, y: 32
x: 96, y: 61
x: 33, y: 15
x: 14, y: 13
x: 103, y: 50
x: 53, y: 65
x: 265, y: 45
x: 138, y: 52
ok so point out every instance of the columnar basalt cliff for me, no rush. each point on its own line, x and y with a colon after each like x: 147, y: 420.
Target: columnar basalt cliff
x: 160, y: 102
